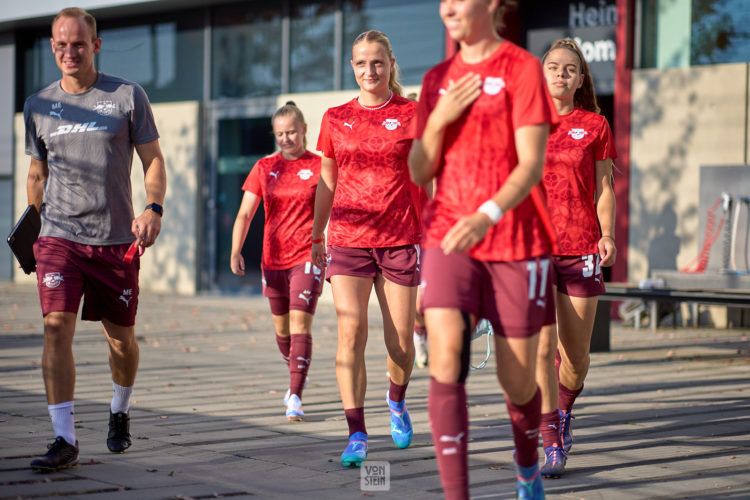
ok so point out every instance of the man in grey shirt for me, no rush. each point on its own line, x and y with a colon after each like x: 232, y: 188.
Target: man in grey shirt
x: 80, y: 133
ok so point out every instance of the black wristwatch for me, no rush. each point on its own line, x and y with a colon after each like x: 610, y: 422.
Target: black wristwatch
x: 156, y: 208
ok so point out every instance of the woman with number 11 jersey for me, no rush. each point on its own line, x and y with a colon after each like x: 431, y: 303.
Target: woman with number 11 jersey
x: 373, y: 233
x: 483, y: 120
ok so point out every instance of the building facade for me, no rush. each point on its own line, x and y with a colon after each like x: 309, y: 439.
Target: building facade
x: 672, y: 78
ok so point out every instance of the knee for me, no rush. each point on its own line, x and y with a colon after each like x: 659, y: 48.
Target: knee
x: 58, y: 329
x: 519, y: 392
x: 547, y: 348
x: 578, y: 362
x: 401, y: 355
x: 124, y: 346
x: 352, y: 339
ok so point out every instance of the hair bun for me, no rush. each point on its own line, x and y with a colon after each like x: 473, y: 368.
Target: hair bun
x: 290, y: 103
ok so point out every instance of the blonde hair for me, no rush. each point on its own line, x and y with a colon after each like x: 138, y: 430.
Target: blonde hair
x: 291, y: 109
x: 75, y: 12
x: 585, y: 96
x: 380, y: 37
x: 503, y: 7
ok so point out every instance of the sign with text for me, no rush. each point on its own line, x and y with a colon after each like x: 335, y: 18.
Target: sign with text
x: 591, y: 24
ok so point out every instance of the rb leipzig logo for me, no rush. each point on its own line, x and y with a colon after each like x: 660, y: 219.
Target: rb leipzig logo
x: 577, y: 133
x: 493, y: 85
x: 391, y: 123
x: 305, y: 174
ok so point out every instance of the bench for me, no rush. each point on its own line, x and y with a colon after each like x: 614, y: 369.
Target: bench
x: 652, y: 297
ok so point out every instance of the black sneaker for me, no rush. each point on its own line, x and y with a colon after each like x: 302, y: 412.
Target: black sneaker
x: 118, y: 439
x: 60, y: 455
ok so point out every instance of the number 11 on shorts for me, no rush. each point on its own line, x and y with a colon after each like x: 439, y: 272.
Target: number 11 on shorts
x: 533, y: 266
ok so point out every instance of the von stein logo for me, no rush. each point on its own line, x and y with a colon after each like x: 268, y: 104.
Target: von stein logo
x: 375, y: 476
x: 391, y: 123
x: 105, y: 108
x: 577, y: 133
x: 493, y: 85
x: 305, y: 174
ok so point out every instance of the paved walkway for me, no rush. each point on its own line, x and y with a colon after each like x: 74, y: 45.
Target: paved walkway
x: 664, y: 415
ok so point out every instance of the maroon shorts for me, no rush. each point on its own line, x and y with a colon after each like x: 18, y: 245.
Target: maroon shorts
x: 516, y: 297
x: 578, y: 275
x: 397, y: 264
x: 67, y: 271
x: 295, y: 288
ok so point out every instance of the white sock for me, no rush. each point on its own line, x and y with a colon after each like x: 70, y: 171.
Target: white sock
x: 62, y: 415
x: 120, y: 398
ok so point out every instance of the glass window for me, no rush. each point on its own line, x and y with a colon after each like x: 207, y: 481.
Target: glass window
x: 246, y: 50
x: 720, y: 31
x: 165, y: 58
x: 241, y: 143
x: 415, y: 29
x: 312, y: 46
x: 39, y: 68
x: 680, y: 34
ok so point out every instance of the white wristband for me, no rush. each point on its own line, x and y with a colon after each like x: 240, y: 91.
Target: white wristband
x: 491, y: 210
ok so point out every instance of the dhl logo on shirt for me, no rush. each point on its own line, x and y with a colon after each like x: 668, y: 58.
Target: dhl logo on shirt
x: 77, y: 128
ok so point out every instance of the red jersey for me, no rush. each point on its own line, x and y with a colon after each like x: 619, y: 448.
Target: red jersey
x: 479, y: 152
x: 581, y: 139
x: 376, y: 204
x: 288, y: 191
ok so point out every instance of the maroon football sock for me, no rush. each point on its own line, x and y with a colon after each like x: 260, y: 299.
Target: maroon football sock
x: 420, y: 330
x: 550, y: 429
x: 566, y: 397
x: 355, y: 417
x: 525, y: 421
x: 449, y: 420
x: 299, y: 361
x: 397, y: 393
x: 284, y: 344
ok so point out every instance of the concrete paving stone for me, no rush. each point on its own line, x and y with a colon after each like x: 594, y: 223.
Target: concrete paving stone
x: 179, y: 491
x: 164, y: 493
x: 661, y: 408
x: 57, y: 484
x: 126, y: 476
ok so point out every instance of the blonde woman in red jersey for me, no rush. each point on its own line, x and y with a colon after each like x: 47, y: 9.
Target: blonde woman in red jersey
x: 577, y: 179
x: 286, y: 181
x: 483, y: 120
x: 373, y: 233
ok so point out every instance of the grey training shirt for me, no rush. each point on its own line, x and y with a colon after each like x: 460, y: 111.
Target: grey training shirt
x: 87, y: 141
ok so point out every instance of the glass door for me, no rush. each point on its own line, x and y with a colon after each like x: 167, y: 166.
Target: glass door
x: 240, y: 136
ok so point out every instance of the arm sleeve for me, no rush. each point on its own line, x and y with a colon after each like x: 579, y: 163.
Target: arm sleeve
x: 35, y: 146
x: 605, y: 143
x: 252, y: 182
x: 142, y: 124
x: 532, y: 103
x: 325, y: 143
x: 424, y: 105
